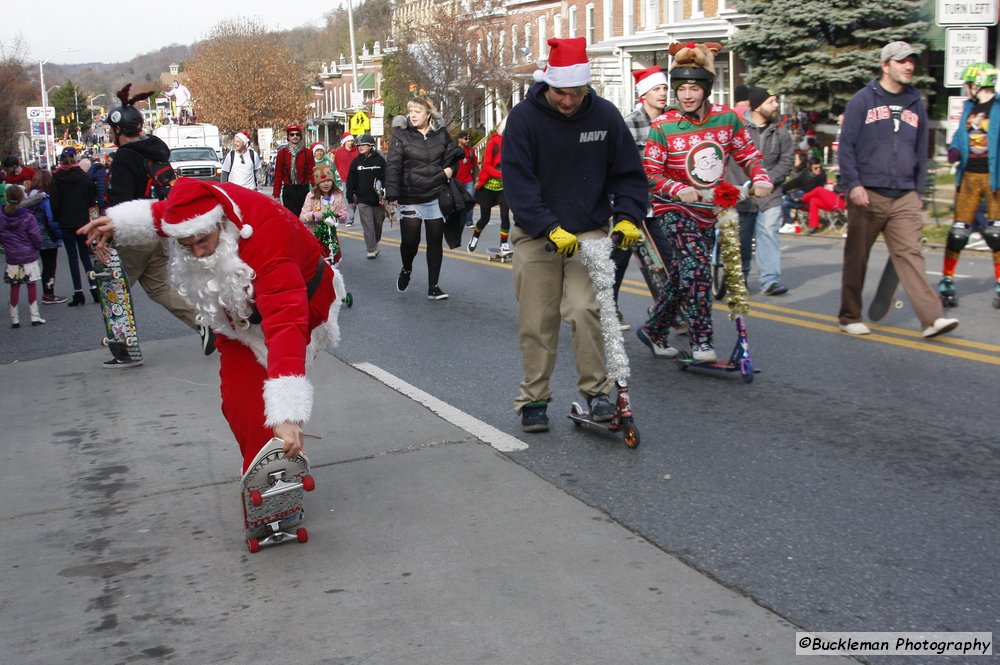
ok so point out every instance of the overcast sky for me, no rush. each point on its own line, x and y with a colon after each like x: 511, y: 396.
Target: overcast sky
x: 103, y: 35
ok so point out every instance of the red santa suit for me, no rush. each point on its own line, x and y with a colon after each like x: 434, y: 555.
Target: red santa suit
x: 278, y: 296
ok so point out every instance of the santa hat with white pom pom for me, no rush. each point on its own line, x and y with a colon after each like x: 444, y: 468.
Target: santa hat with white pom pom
x: 568, y: 66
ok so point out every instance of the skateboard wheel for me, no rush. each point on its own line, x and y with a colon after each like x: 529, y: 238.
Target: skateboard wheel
x: 91, y: 275
x: 256, y: 498
x: 253, y: 545
x: 105, y: 341
x: 302, y: 535
x: 631, y: 435
x: 131, y: 341
x: 898, y: 304
x: 116, y: 274
x: 308, y: 483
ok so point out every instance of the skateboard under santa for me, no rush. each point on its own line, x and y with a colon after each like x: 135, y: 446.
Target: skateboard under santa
x: 113, y: 291
x: 272, y: 491
x: 505, y: 256
x: 885, y: 295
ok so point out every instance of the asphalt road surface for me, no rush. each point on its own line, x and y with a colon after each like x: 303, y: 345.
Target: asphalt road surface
x: 851, y: 487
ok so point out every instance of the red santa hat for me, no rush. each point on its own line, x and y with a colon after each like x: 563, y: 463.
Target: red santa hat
x: 195, y: 207
x: 647, y: 79
x: 243, y: 136
x: 346, y: 137
x: 317, y: 146
x: 568, y: 66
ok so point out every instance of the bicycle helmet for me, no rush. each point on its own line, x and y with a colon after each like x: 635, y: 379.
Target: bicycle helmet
x: 366, y: 139
x: 980, y: 74
x: 127, y: 119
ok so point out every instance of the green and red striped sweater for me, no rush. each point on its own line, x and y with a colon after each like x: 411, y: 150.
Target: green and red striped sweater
x: 683, y: 152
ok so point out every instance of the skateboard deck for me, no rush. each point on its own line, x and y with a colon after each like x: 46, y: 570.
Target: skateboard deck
x: 116, y: 307
x: 502, y: 257
x: 272, y: 491
x: 651, y: 264
x: 885, y: 295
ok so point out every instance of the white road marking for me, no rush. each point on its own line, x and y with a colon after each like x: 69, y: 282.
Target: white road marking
x: 499, y: 440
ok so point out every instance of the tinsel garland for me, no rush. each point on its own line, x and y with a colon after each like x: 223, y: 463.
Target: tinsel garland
x: 327, y: 234
x: 596, y: 257
x: 737, y: 296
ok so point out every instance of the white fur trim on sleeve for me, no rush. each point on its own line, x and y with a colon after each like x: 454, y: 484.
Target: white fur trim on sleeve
x: 133, y: 222
x: 287, y: 399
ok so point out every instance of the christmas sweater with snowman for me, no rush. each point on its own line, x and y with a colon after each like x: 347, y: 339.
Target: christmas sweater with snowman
x: 684, y: 152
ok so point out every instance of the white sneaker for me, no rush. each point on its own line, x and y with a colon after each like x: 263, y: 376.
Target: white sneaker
x: 472, y: 244
x: 657, y: 350
x: 787, y: 228
x: 856, y: 328
x: 371, y: 255
x: 505, y: 248
x: 703, y: 353
x: 940, y: 327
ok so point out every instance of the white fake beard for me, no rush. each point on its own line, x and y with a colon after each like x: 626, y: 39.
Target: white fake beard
x: 215, y: 285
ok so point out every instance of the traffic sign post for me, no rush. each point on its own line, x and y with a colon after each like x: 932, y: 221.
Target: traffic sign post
x: 37, y: 113
x: 966, y: 12
x: 962, y: 47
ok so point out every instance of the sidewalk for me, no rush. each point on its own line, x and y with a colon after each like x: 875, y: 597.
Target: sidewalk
x: 124, y: 542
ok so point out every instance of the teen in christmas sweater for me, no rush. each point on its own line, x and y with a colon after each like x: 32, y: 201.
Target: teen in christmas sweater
x: 685, y: 157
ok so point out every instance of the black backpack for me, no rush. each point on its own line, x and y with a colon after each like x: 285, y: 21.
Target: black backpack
x: 38, y: 210
x: 161, y: 178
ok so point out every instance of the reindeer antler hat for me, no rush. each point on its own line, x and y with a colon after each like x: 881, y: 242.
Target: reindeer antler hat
x: 693, y: 63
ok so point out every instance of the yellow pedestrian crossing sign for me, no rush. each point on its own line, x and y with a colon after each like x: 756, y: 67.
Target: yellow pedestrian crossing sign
x: 360, y: 124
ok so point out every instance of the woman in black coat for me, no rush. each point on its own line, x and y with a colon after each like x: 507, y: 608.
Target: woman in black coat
x: 72, y: 194
x: 422, y: 158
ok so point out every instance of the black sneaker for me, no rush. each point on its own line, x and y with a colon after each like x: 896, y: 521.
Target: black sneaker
x: 775, y: 289
x: 403, y: 280
x: 534, y: 417
x: 114, y: 363
x: 601, y: 408
x: 53, y: 300
x: 207, y: 340
x: 435, y: 293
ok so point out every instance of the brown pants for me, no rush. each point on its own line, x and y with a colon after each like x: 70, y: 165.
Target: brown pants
x: 147, y: 264
x: 551, y: 288
x: 901, y: 222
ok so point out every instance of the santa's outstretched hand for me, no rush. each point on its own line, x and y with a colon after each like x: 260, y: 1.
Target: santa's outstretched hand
x: 99, y: 232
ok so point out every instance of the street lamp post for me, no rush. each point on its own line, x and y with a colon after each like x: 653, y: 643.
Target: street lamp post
x: 45, y: 102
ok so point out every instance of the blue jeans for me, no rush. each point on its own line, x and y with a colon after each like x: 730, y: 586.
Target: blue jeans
x: 769, y: 246
x: 470, y: 187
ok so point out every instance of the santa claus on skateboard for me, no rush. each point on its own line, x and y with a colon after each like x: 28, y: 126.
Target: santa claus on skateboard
x: 258, y: 278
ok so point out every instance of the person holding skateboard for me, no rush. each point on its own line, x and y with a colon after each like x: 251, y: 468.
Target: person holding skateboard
x: 652, y: 90
x: 570, y: 171
x: 883, y: 163
x: 975, y: 151
x: 257, y: 277
x: 685, y: 157
x: 129, y: 180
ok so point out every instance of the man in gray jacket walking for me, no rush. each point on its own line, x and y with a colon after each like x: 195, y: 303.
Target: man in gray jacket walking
x: 762, y: 217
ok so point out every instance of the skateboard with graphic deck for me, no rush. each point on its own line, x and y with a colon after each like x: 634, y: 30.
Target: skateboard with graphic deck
x: 121, y: 338
x: 501, y: 256
x: 272, y: 491
x: 885, y: 295
x: 651, y: 264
